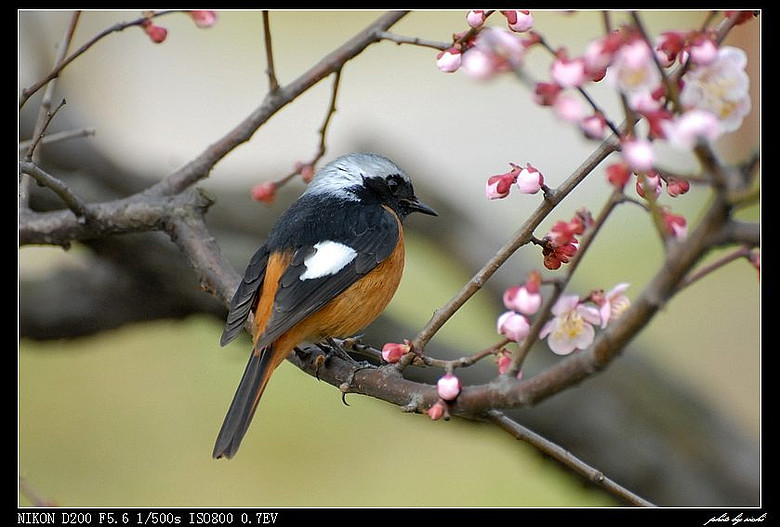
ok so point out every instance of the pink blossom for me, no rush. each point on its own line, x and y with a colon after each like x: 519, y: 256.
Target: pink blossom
x: 675, y: 224
x: 612, y: 304
x: 437, y: 410
x: 475, y: 18
x: 156, y: 33
x: 449, y: 60
x: 523, y: 298
x: 498, y: 186
x: 618, y: 174
x: 652, y: 182
x: 204, y: 18
x: 519, y: 21
x: 545, y: 93
x: 503, y: 361
x: 720, y: 87
x: 529, y: 180
x: 633, y: 68
x: 702, y: 51
x: 568, y: 107
x: 594, y: 126
x: 568, y: 73
x: 668, y: 46
x: 638, y: 154
x: 513, y: 326
x: 392, y: 351
x: 448, y: 387
x: 264, y: 192
x: 684, y: 131
x: 676, y: 186
x: 495, y: 51
x: 572, y: 326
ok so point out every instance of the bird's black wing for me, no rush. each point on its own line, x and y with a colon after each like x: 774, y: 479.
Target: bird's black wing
x: 372, y: 234
x: 246, y: 295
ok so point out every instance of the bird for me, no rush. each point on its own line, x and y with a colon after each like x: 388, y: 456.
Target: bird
x: 330, y: 265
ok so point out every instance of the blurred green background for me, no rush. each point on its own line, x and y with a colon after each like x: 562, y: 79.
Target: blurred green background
x: 128, y: 417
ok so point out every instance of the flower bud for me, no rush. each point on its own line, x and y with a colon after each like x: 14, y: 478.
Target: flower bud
x: 448, y: 386
x: 392, y: 351
x: 513, y: 326
x: 264, y: 192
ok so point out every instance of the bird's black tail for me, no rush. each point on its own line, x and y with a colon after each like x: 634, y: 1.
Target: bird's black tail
x: 256, y: 375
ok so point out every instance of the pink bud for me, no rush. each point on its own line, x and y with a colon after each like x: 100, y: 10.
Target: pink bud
x: 437, y: 410
x: 568, y: 108
x: 264, y: 192
x: 519, y: 298
x: 449, y: 60
x: 676, y: 186
x: 513, y: 326
x: 204, y: 18
x: 675, y: 224
x: 529, y: 180
x: 638, y: 154
x: 594, y: 126
x: 448, y: 386
x: 568, y: 73
x: 498, y: 186
x: 392, y: 351
x: 703, y: 51
x: 545, y: 93
x: 618, y: 174
x: 156, y: 33
x: 503, y: 361
x: 519, y: 21
x: 652, y: 182
x: 475, y: 18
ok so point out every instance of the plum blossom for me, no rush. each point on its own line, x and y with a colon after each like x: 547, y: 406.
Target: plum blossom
x: 675, y: 224
x: 264, y: 192
x: 438, y: 410
x: 448, y: 386
x: 204, y: 19
x: 525, y: 298
x: 475, y: 18
x: 568, y: 73
x: 529, y: 179
x: 449, y: 60
x: 638, y: 154
x: 633, y: 68
x: 720, y: 87
x: 612, y: 304
x: 513, y: 326
x: 393, y: 351
x: 495, y: 50
x: 685, y: 130
x: 519, y: 21
x: 568, y: 108
x: 572, y: 326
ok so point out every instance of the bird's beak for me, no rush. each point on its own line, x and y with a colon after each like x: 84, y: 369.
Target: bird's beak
x: 415, y: 205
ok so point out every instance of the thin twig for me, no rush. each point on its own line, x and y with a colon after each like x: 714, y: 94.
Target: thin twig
x: 416, y: 41
x: 44, y: 124
x: 741, y: 252
x: 323, y: 130
x: 29, y: 91
x: 566, y: 458
x: 58, y: 137
x: 73, y: 202
x: 273, y: 84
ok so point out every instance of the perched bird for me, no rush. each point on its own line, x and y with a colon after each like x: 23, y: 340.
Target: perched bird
x: 329, y: 267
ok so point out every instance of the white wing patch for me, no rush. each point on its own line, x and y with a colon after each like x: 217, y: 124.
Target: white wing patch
x: 329, y: 259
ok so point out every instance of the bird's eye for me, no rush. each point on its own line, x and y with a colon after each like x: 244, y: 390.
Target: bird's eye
x: 393, y: 184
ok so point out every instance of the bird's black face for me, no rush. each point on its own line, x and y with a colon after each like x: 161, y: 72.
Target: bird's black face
x: 396, y: 192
